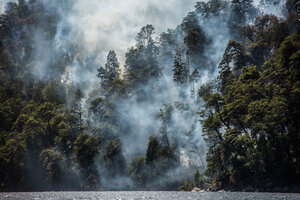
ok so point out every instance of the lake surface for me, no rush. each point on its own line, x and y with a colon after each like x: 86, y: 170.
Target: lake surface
x: 146, y: 195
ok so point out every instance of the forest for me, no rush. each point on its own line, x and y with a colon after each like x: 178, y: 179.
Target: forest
x: 213, y: 103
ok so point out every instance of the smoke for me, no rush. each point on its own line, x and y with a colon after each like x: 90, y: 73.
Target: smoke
x: 274, y: 7
x: 113, y: 24
x: 95, y: 27
x: 87, y: 30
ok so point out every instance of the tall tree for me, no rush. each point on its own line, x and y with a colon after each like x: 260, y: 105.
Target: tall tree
x: 110, y: 72
x: 194, y: 78
x: 112, y: 66
x: 234, y: 59
x: 196, y: 42
x: 180, y: 70
x: 293, y: 7
x: 77, y: 110
x: 142, y: 66
x: 241, y: 12
x: 253, y: 124
x: 86, y: 148
x: 144, y: 37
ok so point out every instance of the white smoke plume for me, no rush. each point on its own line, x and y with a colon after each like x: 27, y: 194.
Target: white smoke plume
x: 99, y: 26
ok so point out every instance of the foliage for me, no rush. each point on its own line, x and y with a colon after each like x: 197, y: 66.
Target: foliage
x: 53, y: 162
x: 250, y: 126
x: 53, y: 135
x: 141, y: 66
x: 86, y: 149
x: 180, y: 71
x: 110, y: 72
x: 138, y: 171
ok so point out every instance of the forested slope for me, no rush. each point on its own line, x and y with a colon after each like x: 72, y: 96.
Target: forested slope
x: 213, y: 103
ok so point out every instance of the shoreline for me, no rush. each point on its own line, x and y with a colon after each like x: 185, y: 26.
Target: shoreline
x: 117, y: 191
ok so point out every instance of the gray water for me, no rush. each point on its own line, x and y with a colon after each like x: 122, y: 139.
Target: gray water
x: 146, y: 195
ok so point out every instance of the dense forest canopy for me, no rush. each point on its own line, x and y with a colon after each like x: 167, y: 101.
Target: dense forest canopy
x: 213, y: 103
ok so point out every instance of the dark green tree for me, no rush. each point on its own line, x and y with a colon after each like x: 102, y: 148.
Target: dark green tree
x: 180, y: 70
x: 141, y: 66
x: 86, y: 148
x: 198, y: 179
x: 113, y: 158
x: 53, y: 162
x: 138, y: 172
x: 241, y: 13
x: 153, y: 149
x: 110, y: 72
x: 234, y: 59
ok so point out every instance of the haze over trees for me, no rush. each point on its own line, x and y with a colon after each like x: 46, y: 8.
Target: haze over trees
x: 213, y: 103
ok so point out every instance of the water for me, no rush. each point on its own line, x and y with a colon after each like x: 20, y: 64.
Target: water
x: 147, y: 195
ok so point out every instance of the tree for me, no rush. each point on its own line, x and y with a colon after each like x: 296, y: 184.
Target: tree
x: 153, y: 149
x: 293, y: 7
x: 65, y: 138
x: 86, y: 148
x: 141, y: 66
x: 266, y: 34
x: 112, y: 66
x: 138, y: 172
x: 241, y: 12
x: 53, y: 162
x: 13, y: 163
x: 198, y: 179
x: 211, y: 8
x: 77, y: 109
x: 102, y: 74
x: 165, y: 115
x: 160, y: 158
x: 196, y: 42
x: 168, y: 43
x: 113, y: 158
x: 144, y: 37
x: 97, y: 109
x: 180, y: 70
x: 110, y: 73
x: 34, y: 135
x: 250, y: 125
x: 234, y: 59
x: 194, y: 78
x: 22, y: 8
x: 54, y: 92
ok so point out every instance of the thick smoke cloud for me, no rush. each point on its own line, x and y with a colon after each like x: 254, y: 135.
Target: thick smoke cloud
x: 94, y: 27
x: 99, y: 26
